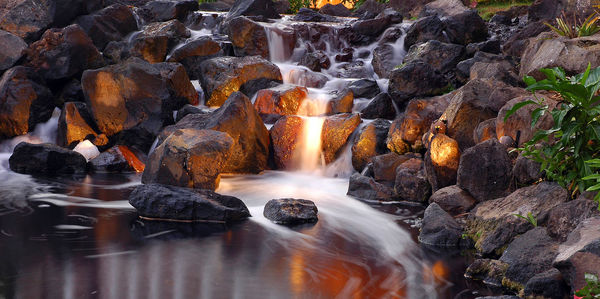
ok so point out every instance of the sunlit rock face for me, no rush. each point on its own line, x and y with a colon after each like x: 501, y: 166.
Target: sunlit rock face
x: 441, y: 161
x: 46, y: 159
x: 156, y: 40
x: 223, y: 76
x: 11, y: 49
x: 62, y: 53
x: 335, y: 133
x: 74, y: 124
x: 118, y: 158
x: 281, y: 100
x: 112, y: 23
x: 485, y: 130
x: 248, y: 37
x: 286, y: 134
x: 342, y: 102
x: 189, y: 158
x: 24, y: 101
x: 370, y: 143
x: 192, y: 53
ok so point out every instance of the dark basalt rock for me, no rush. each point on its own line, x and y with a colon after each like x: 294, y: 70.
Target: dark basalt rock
x: 46, y: 159
x: 465, y: 28
x: 370, y: 143
x: 214, y: 6
x: 112, y: 23
x: 518, y: 41
x: 519, y: 123
x: 502, y: 71
x: 369, y: 8
x: 364, y: 88
x: 453, y: 200
x: 441, y: 56
x: 118, y: 158
x: 248, y: 37
x: 189, y: 109
x: 565, y: 217
x: 338, y: 10
x: 161, y: 10
x: 11, y: 49
x: 411, y: 183
x: 439, y: 229
x: 291, y: 211
x: 381, y: 106
x: 192, y: 53
x: 384, y: 166
x: 156, y: 40
x: 163, y: 202
x: 526, y: 171
x: 489, y: 271
x: 492, y: 46
x: 309, y: 15
x: 384, y: 60
x: 366, y: 188
x: 549, y: 284
x: 316, y: 61
x: 263, y: 8
x: 463, y: 68
x: 415, y: 79
x: 485, y: 130
x: 425, y: 29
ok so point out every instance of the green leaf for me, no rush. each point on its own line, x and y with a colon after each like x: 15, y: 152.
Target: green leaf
x: 516, y: 107
x: 591, y: 277
x: 536, y: 114
x: 529, y: 80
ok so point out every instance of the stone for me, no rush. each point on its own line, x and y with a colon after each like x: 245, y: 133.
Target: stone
x: 518, y: 125
x: 441, y: 162
x: 189, y: 109
x: 384, y: 166
x: 118, y: 158
x: 282, y: 100
x: 442, y: 57
x: 485, y: 170
x: 112, y: 23
x: 366, y: 188
x: 70, y: 92
x: 490, y: 272
x: 371, y: 142
x: 384, y: 61
x: 307, y: 78
x: 291, y: 211
x: 364, y: 88
x: 439, y: 229
x: 189, y: 158
x: 526, y: 171
x: 465, y: 28
x: 308, y: 15
x: 516, y: 44
x: 548, y: 284
x: 25, y: 101
x: 443, y: 8
x: 316, y: 61
x: 25, y: 18
x: 262, y: 8
x: 492, y: 46
x: 161, y: 10
x: 222, y: 76
x: 46, y: 158
x: 214, y: 6
x: 338, y: 10
x: 156, y: 40
x: 408, y: 82
x: 238, y: 118
x: 463, y: 68
x: 170, y: 203
x: 286, y: 134
x: 411, y: 183
x: 192, y: 53
x: 370, y: 8
x: 11, y: 49
x: 248, y: 37
x: 453, y: 200
x: 367, y: 31
x: 340, y: 101
x: 501, y: 71
x: 565, y: 217
x: 336, y: 132
x: 425, y: 29
x: 485, y: 130
x: 381, y: 106
x: 57, y: 46
x: 75, y: 124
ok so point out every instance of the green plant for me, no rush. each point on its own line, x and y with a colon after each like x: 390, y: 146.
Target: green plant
x: 571, y: 27
x: 295, y: 5
x: 592, y: 288
x: 575, y: 135
x: 530, y: 218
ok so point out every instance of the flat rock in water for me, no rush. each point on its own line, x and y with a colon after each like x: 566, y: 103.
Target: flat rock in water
x: 46, y: 159
x: 171, y: 203
x: 291, y: 211
x: 439, y: 228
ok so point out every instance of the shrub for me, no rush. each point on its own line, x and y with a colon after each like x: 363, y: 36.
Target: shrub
x: 572, y: 27
x: 295, y: 5
x: 591, y: 289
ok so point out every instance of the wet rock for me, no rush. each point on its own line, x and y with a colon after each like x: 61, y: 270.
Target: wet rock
x: 441, y: 161
x: 367, y: 31
x: 425, y: 29
x: 189, y: 158
x: 161, y: 202
x: 516, y: 44
x: 346, y: 55
x: 214, y: 6
x: 75, y: 124
x: 338, y: 10
x: 381, y: 106
x: 364, y: 88
x: 340, y: 102
x: 238, y: 118
x: 11, y: 49
x: 384, y: 61
x: 408, y: 81
x: 336, y: 131
x: 465, y: 28
x: 565, y: 217
x: 490, y: 272
x: 366, y: 188
x: 485, y: 170
x: 248, y: 37
x: 441, y: 56
x: 57, y: 46
x: 136, y: 93
x: 307, y: 78
x: 46, y: 158
x: 284, y: 99
x: 548, y: 284
x: 309, y: 15
x: 439, y: 229
x: 291, y: 211
x: 485, y: 130
x: 161, y: 10
x: 264, y: 8
x: 118, y: 158
x: 192, y: 53
x: 189, y: 109
x: 370, y: 142
x: 528, y: 255
x: 411, y: 183
x: 112, y: 23
x: 285, y: 137
x: 453, y: 200
x: 518, y: 125
x: 24, y: 101
x: 526, y: 171
x: 156, y: 40
x: 384, y: 166
x: 316, y: 61
x: 222, y: 76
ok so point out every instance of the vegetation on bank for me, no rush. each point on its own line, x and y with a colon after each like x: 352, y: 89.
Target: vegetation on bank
x: 488, y: 8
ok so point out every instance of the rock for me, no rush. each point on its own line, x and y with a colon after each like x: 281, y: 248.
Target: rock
x: 516, y: 44
x: 494, y: 220
x: 425, y: 29
x: 407, y: 81
x: 161, y: 10
x: 282, y: 100
x: 411, y: 183
x: 238, y: 118
x: 282, y: 6
x: 465, y: 28
x: 75, y: 124
x: 453, y: 200
x: 370, y: 142
x: 291, y: 211
x: 340, y: 102
x: 46, y: 158
x: 11, y: 49
x: 528, y: 255
x: 223, y: 76
x: 307, y: 78
x: 384, y: 61
x: 443, y: 8
x: 485, y: 130
x: 214, y: 6
x: 308, y: 15
x: 364, y: 88
x: 394, y: 16
x: 248, y: 38
x: 260, y: 8
x: 381, y: 106
x: 384, y: 166
x: 439, y: 229
x: 136, y: 94
x: 161, y: 202
x: 441, y: 56
x: 156, y: 40
x: 548, y: 284
x: 490, y: 272
x: 338, y: 10
x: 441, y: 161
x: 189, y: 158
x: 26, y: 19
x: 57, y: 46
x: 192, y: 53
x: 366, y: 188
x: 365, y: 32
x: 118, y: 158
x: 370, y: 8
x: 24, y: 101
x: 70, y: 92
x: 285, y: 137
x: 112, y: 23
x: 526, y: 171
x: 189, y: 109
x: 492, y: 46
x: 518, y: 125
x: 335, y: 133
x: 463, y: 68
x: 565, y: 217
x: 485, y: 170
x: 316, y: 61
x: 502, y: 71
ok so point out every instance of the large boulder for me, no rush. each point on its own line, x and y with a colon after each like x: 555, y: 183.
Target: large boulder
x: 291, y: 211
x: 565, y: 217
x: 516, y: 44
x: 439, y: 229
x: 222, y: 76
x: 161, y: 202
x: 485, y: 170
x: 384, y: 60
x: 385, y: 166
x: 443, y: 8
x: 164, y: 10
x: 258, y: 8
x: 156, y: 40
x: 415, y: 79
x: 338, y: 10
x: 24, y: 101
x: 411, y: 182
x: 370, y: 142
x: 193, y: 52
x: 502, y: 71
x: 336, y: 132
x: 286, y: 134
x: 238, y: 118
x: 46, y: 158
x: 548, y: 284
x: 62, y: 53
x: 366, y: 188
x: 453, y: 200
x: 518, y: 125
x: 75, y: 124
x: 284, y: 99
x: 112, y: 23
x: 315, y: 61
x: 425, y: 29
x: 526, y: 171
x: 189, y: 158
x: 442, y: 57
x: 381, y: 106
x: 308, y: 15
x: 441, y: 161
x: 11, y: 49
x: 465, y: 28
x: 248, y: 37
x: 364, y: 88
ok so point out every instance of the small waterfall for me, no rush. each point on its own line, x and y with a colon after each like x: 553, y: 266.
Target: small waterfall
x: 276, y: 44
x: 43, y: 133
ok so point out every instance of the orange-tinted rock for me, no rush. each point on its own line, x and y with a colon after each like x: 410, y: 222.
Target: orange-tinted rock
x: 370, y: 143
x: 384, y: 166
x: 485, y: 130
x: 285, y: 136
x: 342, y: 102
x: 118, y: 158
x: 336, y: 131
x: 192, y: 53
x: 26, y: 19
x: 441, y: 161
x: 112, y: 23
x: 411, y: 183
x: 75, y: 124
x: 281, y: 100
x: 520, y: 121
x: 248, y: 37
x: 157, y: 39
